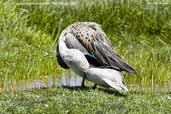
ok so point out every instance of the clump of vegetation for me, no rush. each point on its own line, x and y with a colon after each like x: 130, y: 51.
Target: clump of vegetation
x: 62, y: 101
x: 139, y: 30
x: 25, y: 52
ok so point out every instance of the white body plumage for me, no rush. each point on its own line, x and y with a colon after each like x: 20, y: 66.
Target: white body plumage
x: 76, y: 60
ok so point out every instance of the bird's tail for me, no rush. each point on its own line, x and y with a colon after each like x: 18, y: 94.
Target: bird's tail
x: 116, y: 85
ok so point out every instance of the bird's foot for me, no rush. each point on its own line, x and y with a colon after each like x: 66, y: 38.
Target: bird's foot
x: 76, y: 82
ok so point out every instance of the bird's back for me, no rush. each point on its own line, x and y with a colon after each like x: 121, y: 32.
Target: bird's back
x: 88, y: 38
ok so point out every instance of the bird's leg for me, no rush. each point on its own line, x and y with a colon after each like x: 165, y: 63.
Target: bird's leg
x: 95, y: 86
x: 83, y: 83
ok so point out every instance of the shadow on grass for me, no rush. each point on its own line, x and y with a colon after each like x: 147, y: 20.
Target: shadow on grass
x: 106, y: 90
x: 77, y: 88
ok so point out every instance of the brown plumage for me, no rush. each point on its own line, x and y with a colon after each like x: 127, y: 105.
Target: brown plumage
x: 93, y: 42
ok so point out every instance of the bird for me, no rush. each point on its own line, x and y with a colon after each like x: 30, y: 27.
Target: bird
x: 84, y: 48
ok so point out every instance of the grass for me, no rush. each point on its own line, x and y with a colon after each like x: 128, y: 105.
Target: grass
x: 139, y: 31
x: 64, y: 101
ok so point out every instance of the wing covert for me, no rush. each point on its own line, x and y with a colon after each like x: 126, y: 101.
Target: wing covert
x: 95, y: 41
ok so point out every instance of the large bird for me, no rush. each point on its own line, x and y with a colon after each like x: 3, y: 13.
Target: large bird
x: 85, y: 48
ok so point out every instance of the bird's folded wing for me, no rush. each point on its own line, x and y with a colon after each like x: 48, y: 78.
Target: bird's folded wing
x: 94, y: 40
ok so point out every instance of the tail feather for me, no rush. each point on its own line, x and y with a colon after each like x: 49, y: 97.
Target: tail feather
x: 117, y: 85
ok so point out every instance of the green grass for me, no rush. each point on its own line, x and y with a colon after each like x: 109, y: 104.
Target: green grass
x: 64, y: 101
x: 139, y: 31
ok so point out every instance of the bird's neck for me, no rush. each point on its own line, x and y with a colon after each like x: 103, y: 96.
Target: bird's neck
x: 63, y: 49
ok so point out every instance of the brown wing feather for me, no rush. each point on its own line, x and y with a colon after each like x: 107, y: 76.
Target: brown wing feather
x: 96, y: 42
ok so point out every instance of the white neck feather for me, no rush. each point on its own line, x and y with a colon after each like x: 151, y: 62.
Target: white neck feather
x: 62, y: 45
